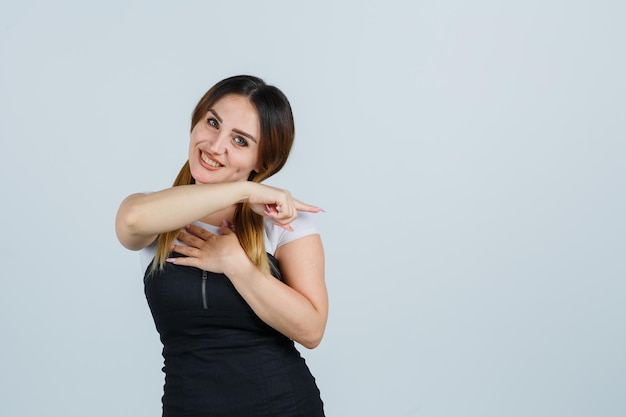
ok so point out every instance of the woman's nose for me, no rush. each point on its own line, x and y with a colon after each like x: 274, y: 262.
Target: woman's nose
x: 218, y: 145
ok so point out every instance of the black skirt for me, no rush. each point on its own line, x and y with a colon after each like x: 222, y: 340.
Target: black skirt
x: 220, y: 358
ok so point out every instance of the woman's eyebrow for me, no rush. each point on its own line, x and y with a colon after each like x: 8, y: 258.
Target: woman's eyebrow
x: 217, y: 116
x: 242, y: 133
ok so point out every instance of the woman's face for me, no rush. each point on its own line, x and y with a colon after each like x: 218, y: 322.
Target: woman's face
x: 224, y: 146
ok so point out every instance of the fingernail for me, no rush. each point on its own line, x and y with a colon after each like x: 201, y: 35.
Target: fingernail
x: 225, y: 223
x: 321, y: 209
x: 170, y: 260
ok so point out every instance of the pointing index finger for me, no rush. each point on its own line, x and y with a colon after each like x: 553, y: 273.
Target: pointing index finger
x: 300, y: 206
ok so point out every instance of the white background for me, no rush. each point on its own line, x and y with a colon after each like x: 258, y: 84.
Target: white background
x: 469, y: 155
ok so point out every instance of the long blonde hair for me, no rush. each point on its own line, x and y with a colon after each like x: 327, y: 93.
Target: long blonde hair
x: 277, y: 134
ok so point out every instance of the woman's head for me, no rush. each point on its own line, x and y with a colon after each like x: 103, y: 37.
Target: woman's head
x: 258, y: 113
x: 274, y: 132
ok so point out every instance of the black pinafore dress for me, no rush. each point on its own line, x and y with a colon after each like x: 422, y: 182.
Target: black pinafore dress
x: 220, y: 358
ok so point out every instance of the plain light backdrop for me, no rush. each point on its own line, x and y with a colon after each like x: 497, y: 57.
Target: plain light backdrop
x: 469, y: 155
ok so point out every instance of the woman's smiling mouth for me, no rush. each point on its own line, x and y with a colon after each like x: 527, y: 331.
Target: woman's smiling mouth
x: 211, y: 162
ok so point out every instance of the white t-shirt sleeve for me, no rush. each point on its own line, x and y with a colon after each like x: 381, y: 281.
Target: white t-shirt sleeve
x: 275, y: 236
x: 147, y: 254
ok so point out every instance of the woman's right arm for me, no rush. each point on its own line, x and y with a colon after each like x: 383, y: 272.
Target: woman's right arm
x: 142, y: 217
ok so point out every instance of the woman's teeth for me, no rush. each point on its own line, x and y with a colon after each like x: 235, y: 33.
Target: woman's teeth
x: 210, y: 161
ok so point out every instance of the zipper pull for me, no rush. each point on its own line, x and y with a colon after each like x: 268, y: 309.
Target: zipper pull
x: 204, y: 300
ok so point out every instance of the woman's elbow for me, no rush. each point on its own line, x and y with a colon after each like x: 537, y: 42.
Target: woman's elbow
x: 311, y: 344
x: 313, y: 338
x: 126, y: 229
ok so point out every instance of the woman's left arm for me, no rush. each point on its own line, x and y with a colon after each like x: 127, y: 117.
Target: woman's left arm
x: 297, y: 307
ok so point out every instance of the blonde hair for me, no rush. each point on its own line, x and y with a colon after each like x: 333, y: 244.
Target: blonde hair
x: 277, y: 134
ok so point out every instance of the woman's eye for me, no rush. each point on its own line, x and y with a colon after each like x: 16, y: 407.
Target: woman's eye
x: 213, y: 122
x: 241, y: 141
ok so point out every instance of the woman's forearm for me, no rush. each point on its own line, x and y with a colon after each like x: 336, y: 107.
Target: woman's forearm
x: 281, y: 306
x: 297, y: 307
x: 141, y: 217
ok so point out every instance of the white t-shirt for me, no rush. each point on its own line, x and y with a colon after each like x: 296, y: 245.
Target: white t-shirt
x: 275, y: 236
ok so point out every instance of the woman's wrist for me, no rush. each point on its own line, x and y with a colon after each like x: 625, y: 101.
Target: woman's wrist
x: 238, y: 264
x: 245, y: 190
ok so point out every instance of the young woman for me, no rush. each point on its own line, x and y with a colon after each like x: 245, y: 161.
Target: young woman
x: 234, y: 268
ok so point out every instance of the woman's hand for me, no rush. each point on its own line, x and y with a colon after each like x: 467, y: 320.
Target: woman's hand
x: 208, y: 251
x: 278, y: 205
